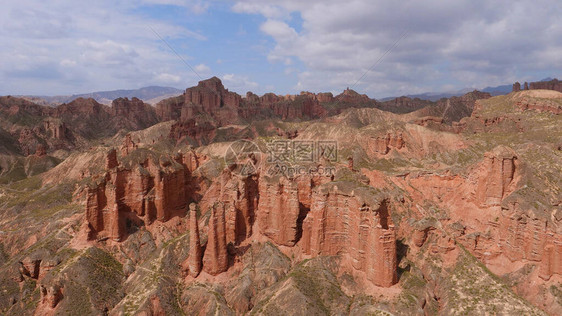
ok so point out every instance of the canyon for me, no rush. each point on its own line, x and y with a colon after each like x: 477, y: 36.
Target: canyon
x: 447, y: 207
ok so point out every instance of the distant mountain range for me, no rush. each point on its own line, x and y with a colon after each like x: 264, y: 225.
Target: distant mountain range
x: 434, y: 96
x: 151, y: 94
x: 154, y: 94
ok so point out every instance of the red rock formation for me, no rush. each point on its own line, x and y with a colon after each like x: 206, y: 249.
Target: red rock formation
x: 516, y: 87
x: 350, y: 96
x: 325, y: 97
x: 500, y: 223
x: 353, y: 224
x: 420, y: 234
x: 55, y: 129
x: 500, y: 166
x: 40, y: 151
x: 51, y: 296
x: 553, y: 84
x: 30, y: 267
x: 270, y: 98
x: 198, y: 132
x: 134, y: 113
x: 539, y: 105
x: 191, y: 160
x: 302, y: 106
x: 47, y: 265
x: 239, y: 194
x: 111, y: 159
x: 428, y: 121
x: 128, y: 145
x: 278, y: 210
x: 211, y: 94
x: 215, y: 260
x: 551, y: 261
x: 195, y: 250
x: 404, y: 105
x: 210, y: 98
x: 383, y: 144
x: 146, y: 192
x: 28, y: 141
x: 252, y: 98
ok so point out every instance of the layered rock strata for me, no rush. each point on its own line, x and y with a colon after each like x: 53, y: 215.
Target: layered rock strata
x: 215, y: 259
x: 356, y: 224
x: 129, y: 197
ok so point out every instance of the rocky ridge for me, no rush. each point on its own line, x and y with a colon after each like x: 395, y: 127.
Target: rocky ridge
x: 420, y: 216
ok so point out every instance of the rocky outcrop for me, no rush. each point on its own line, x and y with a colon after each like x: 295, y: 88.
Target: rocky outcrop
x: 539, y: 105
x: 195, y: 250
x: 239, y: 195
x: 403, y: 104
x: 211, y: 95
x: 383, y: 144
x: 192, y: 131
x: 354, y: 223
x: 502, y: 223
x: 41, y: 151
x: 325, y: 97
x: 134, y: 113
x: 520, y: 236
x: 56, y: 129
x: 350, y: 96
x: 279, y: 209
x: 51, y: 296
x: 553, y: 84
x: 516, y: 87
x: 501, y: 168
x: 215, y: 260
x: 111, y: 159
x: 302, y: 106
x: 551, y: 261
x: 128, y: 145
x: 428, y: 121
x: 421, y: 230
x: 304, y: 211
x: 30, y: 267
x: 451, y: 110
x: 129, y: 197
x: 210, y: 99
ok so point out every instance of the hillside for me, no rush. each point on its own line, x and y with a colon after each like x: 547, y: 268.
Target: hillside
x: 312, y: 204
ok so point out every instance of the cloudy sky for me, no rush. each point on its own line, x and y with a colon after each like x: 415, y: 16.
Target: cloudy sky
x: 285, y: 46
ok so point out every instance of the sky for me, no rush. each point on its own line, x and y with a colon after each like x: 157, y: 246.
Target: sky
x: 380, y: 48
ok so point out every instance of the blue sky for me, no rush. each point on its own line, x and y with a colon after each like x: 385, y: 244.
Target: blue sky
x: 69, y: 47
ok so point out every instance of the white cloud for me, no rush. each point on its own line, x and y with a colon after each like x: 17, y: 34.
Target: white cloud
x: 65, y: 47
x: 269, y: 11
x: 279, y: 30
x: 200, y: 7
x: 202, y: 69
x: 67, y: 63
x: 196, y: 6
x: 166, y: 78
x: 465, y: 42
x: 239, y: 83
